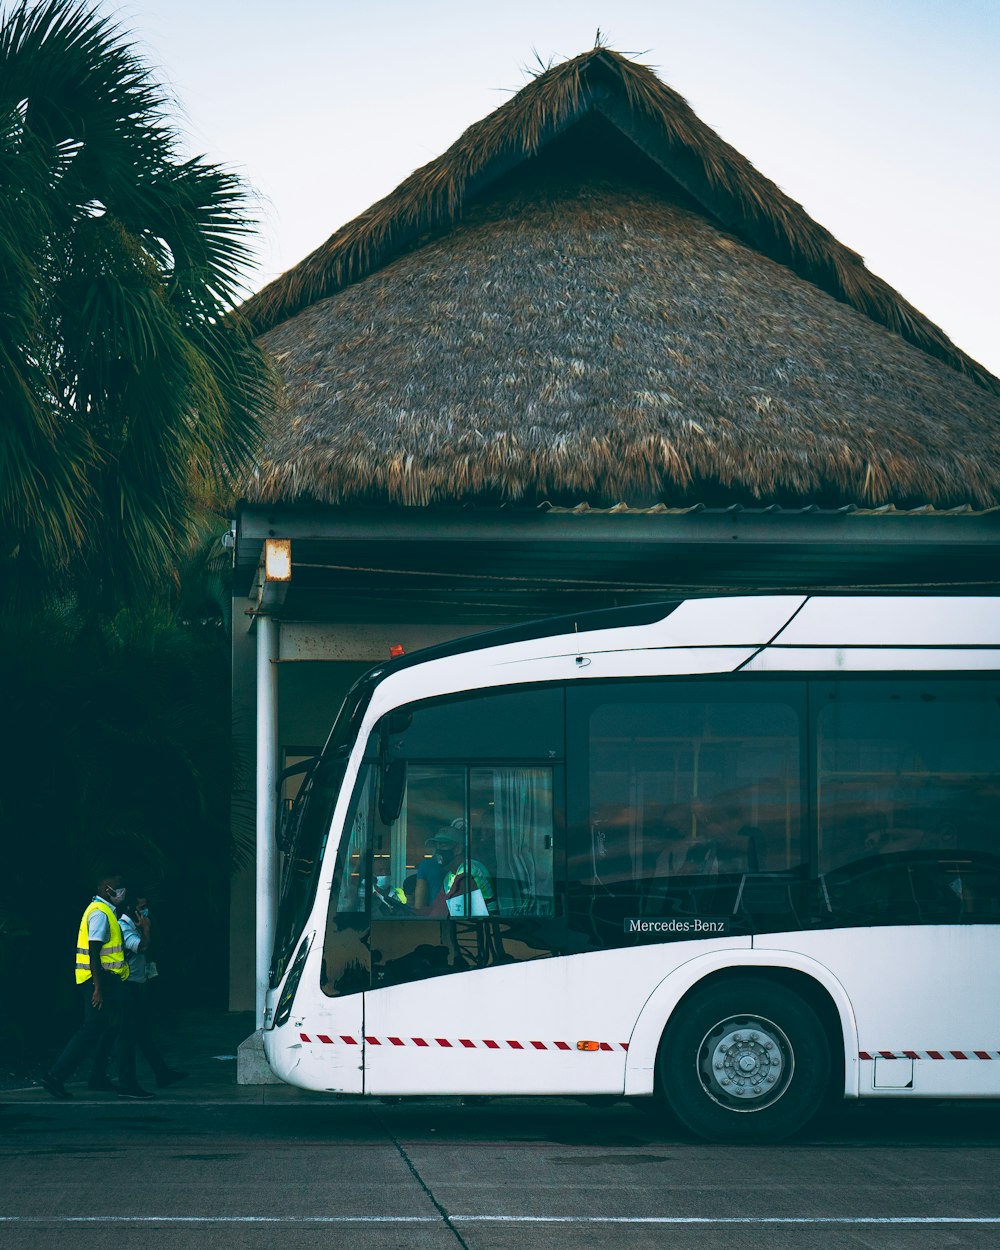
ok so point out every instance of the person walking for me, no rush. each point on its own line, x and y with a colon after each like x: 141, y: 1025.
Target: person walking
x: 101, y: 972
x: 136, y: 1032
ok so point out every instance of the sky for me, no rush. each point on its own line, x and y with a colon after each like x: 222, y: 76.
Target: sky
x: 880, y: 117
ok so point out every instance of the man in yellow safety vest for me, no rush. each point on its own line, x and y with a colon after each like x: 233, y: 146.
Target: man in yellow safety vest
x: 101, y: 971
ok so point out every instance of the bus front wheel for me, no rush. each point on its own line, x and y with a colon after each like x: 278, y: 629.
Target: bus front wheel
x: 744, y: 1060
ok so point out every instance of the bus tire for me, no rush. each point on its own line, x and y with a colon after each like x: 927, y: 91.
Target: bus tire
x: 744, y: 1060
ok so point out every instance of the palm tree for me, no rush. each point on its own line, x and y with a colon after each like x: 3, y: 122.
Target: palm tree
x: 126, y: 383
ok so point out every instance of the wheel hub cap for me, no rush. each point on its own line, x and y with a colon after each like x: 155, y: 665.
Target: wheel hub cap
x: 745, y: 1063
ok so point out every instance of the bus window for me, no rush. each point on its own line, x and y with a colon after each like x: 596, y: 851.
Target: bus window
x: 346, y: 964
x: 353, y: 860
x: 689, y: 799
x: 479, y: 841
x: 481, y: 765
x: 517, y: 832
x: 304, y: 836
x: 908, y: 796
x: 465, y: 874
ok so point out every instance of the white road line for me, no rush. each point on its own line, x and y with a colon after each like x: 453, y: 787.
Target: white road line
x: 764, y: 1220
x: 724, y: 1219
x: 174, y: 1101
x: 220, y: 1219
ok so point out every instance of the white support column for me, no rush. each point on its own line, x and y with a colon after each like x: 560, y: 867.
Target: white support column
x: 267, y: 777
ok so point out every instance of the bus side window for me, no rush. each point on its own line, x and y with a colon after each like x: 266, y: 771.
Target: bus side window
x: 908, y: 779
x: 480, y: 764
x: 471, y: 842
x: 685, y: 795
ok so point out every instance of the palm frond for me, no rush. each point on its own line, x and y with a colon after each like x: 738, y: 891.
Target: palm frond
x: 123, y: 378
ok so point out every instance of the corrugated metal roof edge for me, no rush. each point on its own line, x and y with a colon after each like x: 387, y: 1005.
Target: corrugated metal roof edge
x: 662, y: 509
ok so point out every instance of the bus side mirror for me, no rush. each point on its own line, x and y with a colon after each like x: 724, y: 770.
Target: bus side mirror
x: 283, y: 825
x: 392, y: 772
x: 392, y: 787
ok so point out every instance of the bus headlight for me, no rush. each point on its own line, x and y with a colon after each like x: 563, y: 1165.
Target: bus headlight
x: 291, y: 985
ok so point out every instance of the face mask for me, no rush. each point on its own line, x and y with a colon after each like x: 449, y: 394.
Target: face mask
x: 382, y: 882
x: 144, y: 911
x: 117, y: 897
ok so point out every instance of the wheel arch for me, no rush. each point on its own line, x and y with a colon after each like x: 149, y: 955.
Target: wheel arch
x: 808, y: 978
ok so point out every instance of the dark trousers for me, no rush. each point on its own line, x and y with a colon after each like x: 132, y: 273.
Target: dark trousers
x: 100, y: 1027
x: 124, y: 1048
x: 136, y: 1034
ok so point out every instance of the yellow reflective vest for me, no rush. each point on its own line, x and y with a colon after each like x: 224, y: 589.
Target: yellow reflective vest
x: 112, y: 952
x: 480, y: 879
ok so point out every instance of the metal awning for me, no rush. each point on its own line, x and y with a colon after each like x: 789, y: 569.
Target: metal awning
x: 458, y: 563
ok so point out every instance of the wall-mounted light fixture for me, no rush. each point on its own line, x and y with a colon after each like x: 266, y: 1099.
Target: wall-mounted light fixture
x: 277, y: 559
x: 274, y: 573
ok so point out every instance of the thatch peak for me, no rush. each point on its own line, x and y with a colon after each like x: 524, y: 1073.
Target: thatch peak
x: 723, y: 185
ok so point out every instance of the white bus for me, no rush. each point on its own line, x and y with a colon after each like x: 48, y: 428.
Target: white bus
x: 738, y: 854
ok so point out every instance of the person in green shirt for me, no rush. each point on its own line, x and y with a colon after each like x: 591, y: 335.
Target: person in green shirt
x: 449, y: 847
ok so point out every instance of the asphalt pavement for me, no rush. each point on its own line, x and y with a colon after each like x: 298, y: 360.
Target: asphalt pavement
x: 210, y: 1163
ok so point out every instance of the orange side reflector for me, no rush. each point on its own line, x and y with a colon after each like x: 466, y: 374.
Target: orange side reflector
x: 588, y: 1045
x: 395, y: 651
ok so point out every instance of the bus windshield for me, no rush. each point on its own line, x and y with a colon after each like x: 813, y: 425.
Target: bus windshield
x: 309, y: 825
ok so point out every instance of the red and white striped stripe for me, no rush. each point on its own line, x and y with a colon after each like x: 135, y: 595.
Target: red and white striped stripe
x: 929, y: 1054
x: 448, y: 1043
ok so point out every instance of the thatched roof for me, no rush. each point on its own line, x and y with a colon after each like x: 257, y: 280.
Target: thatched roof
x: 592, y: 296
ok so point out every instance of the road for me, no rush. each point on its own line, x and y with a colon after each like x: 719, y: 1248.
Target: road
x: 292, y: 1170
